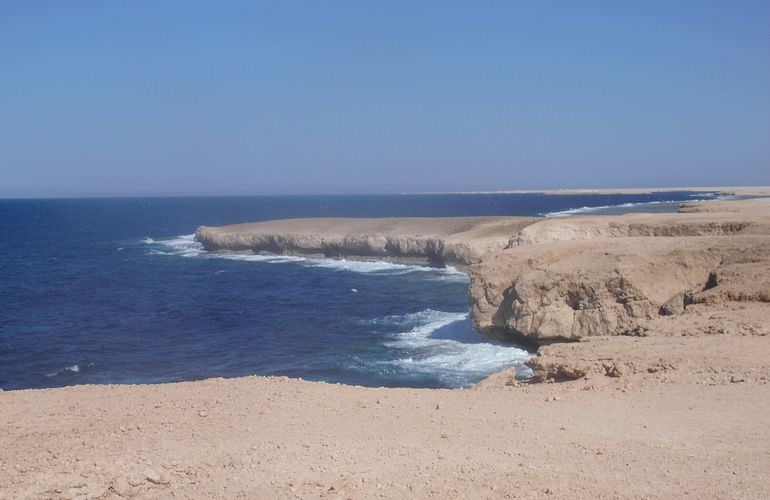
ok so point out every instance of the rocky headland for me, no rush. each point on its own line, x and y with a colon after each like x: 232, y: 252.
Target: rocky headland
x: 555, y: 279
x: 439, y: 241
x: 701, y: 271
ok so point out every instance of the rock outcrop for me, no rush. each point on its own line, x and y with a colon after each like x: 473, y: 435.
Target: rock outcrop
x: 707, y: 359
x: 567, y: 279
x: 570, y: 290
x: 436, y: 240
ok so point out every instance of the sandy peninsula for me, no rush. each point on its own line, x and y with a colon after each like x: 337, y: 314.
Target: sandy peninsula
x: 651, y: 379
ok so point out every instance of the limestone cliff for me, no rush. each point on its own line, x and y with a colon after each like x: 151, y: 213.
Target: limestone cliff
x: 570, y: 290
x: 437, y: 241
x: 570, y: 278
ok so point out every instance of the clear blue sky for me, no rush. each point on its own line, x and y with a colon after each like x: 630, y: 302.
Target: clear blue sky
x: 175, y: 98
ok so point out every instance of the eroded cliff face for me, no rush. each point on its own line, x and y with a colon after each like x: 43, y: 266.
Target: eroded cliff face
x: 571, y: 290
x: 437, y: 241
x: 567, y: 279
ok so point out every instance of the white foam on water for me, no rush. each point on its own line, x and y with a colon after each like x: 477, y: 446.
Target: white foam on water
x: 583, y: 210
x: 449, y: 273
x: 183, y: 246
x: 247, y: 257
x: 423, y: 318
x: 423, y: 322
x: 73, y: 368
x: 454, y: 362
x: 365, y: 266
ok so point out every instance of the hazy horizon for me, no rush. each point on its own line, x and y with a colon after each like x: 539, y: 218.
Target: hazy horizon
x: 547, y: 191
x: 185, y: 99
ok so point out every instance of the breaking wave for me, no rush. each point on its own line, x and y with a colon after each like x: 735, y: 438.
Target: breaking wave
x: 584, y: 210
x: 443, y: 345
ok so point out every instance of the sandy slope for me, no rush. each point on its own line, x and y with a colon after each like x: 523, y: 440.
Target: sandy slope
x: 270, y: 437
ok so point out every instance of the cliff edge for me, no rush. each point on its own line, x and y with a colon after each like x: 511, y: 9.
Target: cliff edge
x: 440, y: 241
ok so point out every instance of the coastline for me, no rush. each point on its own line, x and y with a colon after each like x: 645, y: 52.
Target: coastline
x: 721, y: 190
x: 544, y: 280
x: 437, y: 241
x: 638, y: 404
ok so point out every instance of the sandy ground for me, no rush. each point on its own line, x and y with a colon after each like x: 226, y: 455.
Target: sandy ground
x: 670, y: 434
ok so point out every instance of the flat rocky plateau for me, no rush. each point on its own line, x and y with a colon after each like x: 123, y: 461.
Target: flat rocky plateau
x: 651, y: 380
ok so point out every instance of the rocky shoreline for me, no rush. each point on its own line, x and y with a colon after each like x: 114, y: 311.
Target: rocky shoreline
x: 557, y: 279
x: 543, y: 281
x: 650, y: 381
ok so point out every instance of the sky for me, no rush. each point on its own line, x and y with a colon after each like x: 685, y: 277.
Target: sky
x: 148, y: 98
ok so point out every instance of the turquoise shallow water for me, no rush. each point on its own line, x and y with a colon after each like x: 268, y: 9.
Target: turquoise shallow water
x: 117, y: 291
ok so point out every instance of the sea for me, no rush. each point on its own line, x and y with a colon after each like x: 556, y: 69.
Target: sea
x: 117, y: 291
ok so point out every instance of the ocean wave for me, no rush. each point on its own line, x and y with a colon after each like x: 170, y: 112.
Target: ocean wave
x: 382, y: 267
x: 458, y: 358
x: 361, y: 266
x: 72, y: 369
x: 425, y: 318
x: 584, y: 210
x: 247, y: 257
x: 182, y: 246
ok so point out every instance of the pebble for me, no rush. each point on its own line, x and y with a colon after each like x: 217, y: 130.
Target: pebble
x: 154, y: 476
x: 203, y: 413
x: 122, y: 488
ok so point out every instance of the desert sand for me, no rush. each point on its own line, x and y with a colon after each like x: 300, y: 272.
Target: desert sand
x: 651, y: 379
x: 676, y: 433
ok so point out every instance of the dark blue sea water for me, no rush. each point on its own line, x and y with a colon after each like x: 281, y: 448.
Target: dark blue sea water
x: 116, y: 291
